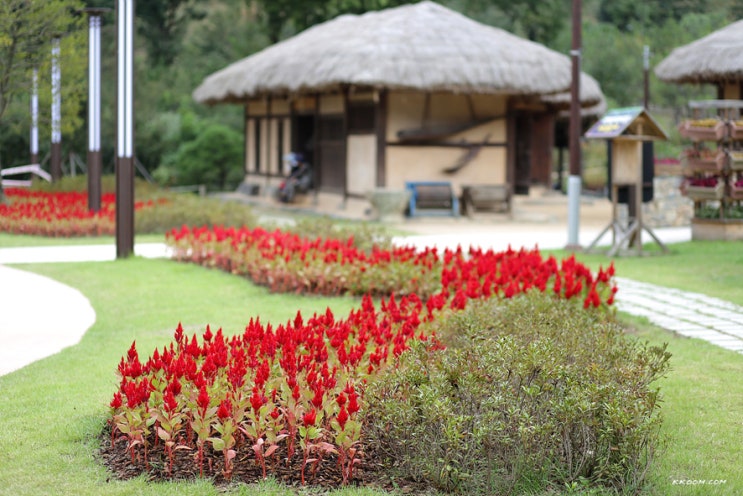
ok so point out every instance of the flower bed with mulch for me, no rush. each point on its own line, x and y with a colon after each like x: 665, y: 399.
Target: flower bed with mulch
x: 288, y: 400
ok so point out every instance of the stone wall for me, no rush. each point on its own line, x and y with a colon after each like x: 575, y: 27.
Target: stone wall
x: 669, y: 207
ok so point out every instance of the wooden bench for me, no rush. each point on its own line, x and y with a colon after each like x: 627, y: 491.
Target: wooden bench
x: 489, y: 197
x: 432, y: 198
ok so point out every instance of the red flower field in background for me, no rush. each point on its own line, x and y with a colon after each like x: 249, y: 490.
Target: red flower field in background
x: 286, y: 262
x: 61, y: 214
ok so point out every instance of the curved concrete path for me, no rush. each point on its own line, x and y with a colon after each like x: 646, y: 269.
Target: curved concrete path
x: 38, y: 317
x: 28, y: 335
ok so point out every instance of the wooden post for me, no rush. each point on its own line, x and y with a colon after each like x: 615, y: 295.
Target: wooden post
x: 381, y: 126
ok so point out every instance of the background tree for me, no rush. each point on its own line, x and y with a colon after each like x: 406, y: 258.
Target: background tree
x: 163, y: 23
x: 26, y: 30
x: 286, y: 17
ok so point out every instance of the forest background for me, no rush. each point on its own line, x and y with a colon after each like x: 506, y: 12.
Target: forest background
x: 180, y: 42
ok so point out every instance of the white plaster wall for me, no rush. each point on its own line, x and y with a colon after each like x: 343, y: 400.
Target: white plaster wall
x: 362, y: 163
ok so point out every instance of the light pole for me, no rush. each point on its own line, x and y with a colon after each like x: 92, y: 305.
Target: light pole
x: 574, y: 180
x: 34, y: 138
x: 56, y: 151
x: 94, y: 108
x: 125, y: 130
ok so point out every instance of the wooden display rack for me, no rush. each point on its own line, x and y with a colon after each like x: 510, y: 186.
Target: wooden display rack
x: 628, y: 128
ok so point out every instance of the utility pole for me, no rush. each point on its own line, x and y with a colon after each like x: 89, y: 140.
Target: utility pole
x: 125, y: 130
x: 574, y: 180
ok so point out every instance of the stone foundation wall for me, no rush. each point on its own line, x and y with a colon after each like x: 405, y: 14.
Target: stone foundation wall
x: 669, y: 207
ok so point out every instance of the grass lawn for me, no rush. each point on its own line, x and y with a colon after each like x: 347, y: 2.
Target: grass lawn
x: 52, y: 411
x: 22, y: 240
x: 703, y: 391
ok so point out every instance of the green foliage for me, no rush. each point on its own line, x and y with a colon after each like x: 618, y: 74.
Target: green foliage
x: 163, y: 24
x: 630, y: 15
x: 530, y: 394
x: 276, y: 15
x: 536, y: 20
x: 214, y: 158
x: 26, y: 29
x: 187, y: 209
x: 364, y: 235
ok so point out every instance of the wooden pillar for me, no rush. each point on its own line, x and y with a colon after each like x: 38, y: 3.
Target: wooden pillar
x: 345, y: 143
x: 381, y: 126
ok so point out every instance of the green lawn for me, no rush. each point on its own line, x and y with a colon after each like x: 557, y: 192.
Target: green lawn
x: 52, y: 410
x: 22, y: 240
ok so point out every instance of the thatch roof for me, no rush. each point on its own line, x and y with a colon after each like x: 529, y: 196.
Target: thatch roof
x: 715, y: 58
x: 590, y: 95
x: 421, y: 46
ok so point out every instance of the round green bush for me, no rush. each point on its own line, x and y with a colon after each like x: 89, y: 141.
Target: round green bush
x: 530, y: 394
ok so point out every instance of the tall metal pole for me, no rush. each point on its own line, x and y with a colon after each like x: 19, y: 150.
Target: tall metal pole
x: 645, y: 76
x: 125, y: 131
x: 94, y: 109
x: 574, y: 180
x: 34, y: 138
x: 56, y: 151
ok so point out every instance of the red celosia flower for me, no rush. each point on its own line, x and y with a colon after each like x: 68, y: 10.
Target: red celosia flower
x: 169, y: 401
x: 174, y: 387
x: 225, y: 409
x: 257, y: 399
x: 353, y: 405
x: 116, y: 402
x: 342, y: 418
x: 203, y: 400
x: 309, y: 418
x: 317, y: 399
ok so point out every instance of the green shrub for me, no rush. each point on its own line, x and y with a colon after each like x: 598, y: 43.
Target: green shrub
x: 191, y: 210
x: 530, y: 394
x: 364, y: 234
x: 214, y: 158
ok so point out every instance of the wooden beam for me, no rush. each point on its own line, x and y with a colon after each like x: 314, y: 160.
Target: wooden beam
x: 381, y: 126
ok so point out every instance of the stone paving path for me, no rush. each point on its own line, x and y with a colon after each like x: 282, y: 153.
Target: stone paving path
x: 689, y: 314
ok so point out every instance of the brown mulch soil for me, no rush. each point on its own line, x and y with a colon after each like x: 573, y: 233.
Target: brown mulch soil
x: 324, y: 474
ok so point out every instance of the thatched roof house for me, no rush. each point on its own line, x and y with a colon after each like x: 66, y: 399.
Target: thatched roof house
x: 417, y: 92
x: 715, y: 59
x: 424, y: 47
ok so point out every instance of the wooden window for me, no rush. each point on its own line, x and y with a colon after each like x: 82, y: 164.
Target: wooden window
x: 361, y: 117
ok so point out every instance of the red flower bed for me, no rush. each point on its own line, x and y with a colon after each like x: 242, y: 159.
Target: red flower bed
x: 283, y: 397
x: 290, y: 398
x: 285, y: 262
x: 62, y: 214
